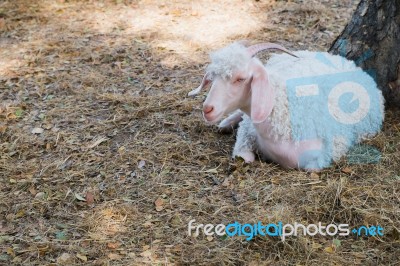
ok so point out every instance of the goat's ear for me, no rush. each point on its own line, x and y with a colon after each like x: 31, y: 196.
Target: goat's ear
x: 262, y: 95
x: 206, y: 80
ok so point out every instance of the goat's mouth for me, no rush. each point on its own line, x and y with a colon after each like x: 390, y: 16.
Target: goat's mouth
x: 212, y: 118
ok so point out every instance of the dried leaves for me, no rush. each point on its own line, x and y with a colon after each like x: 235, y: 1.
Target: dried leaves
x: 159, y: 204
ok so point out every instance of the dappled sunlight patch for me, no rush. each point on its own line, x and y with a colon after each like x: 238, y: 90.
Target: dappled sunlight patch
x: 183, y: 26
x: 7, y: 67
x: 179, y: 26
x: 107, y: 223
x: 9, y: 63
x: 187, y: 51
x: 198, y: 21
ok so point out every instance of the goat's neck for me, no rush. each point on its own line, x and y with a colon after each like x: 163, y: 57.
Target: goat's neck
x: 246, y: 110
x: 263, y: 127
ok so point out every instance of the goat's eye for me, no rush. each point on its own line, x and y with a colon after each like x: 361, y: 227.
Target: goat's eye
x: 240, y: 80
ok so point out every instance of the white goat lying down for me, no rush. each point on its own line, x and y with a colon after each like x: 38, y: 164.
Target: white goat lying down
x: 302, y: 110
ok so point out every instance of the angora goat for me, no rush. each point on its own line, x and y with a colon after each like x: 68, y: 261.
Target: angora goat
x: 302, y: 110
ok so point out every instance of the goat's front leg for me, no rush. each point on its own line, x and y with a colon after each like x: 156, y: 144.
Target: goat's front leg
x: 228, y: 124
x: 245, y: 141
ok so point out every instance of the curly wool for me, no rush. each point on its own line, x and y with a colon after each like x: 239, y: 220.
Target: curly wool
x: 226, y: 60
x: 282, y: 68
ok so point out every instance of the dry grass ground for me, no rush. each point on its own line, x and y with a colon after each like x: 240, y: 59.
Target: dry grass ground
x: 104, y: 160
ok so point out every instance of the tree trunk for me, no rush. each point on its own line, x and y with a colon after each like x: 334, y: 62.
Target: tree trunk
x: 372, y: 40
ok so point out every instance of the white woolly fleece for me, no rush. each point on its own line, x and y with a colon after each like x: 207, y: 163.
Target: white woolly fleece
x: 226, y: 60
x: 283, y: 67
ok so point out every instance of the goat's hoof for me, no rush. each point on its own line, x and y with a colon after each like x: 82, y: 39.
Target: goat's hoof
x: 224, y: 123
x: 226, y: 127
x: 247, y: 156
x: 225, y: 130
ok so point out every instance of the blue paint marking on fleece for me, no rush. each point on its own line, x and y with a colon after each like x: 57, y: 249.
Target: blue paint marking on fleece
x: 312, y: 117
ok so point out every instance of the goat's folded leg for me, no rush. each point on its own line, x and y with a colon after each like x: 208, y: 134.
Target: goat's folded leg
x: 312, y: 161
x: 245, y: 141
x: 228, y: 124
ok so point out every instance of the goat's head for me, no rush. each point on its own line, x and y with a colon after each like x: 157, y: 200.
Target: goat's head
x: 239, y: 81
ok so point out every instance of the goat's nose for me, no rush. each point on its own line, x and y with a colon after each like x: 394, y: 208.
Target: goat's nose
x: 208, y: 109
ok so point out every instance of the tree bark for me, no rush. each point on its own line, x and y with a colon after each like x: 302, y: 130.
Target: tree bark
x: 372, y: 40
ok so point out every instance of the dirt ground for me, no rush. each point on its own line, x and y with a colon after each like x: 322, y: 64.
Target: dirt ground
x: 104, y: 160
